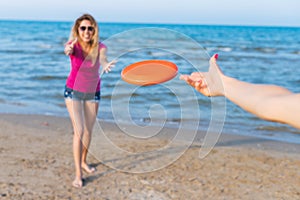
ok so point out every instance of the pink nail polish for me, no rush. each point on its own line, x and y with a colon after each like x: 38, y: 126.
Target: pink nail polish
x: 216, y: 56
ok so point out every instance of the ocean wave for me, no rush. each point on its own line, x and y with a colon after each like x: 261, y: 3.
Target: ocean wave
x: 119, y: 96
x: 45, y: 46
x: 273, y: 129
x: 47, y: 78
x: 30, y: 52
x: 266, y: 49
x: 296, y: 52
x: 12, y: 51
x: 17, y: 104
x: 61, y: 105
x: 218, y: 49
x: 224, y: 49
x: 174, y: 121
x: 259, y: 49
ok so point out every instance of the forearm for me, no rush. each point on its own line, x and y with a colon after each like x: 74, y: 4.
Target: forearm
x: 104, y: 62
x: 269, y: 102
x: 103, y: 57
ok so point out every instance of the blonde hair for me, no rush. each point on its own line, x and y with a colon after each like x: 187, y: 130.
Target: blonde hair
x: 94, y: 43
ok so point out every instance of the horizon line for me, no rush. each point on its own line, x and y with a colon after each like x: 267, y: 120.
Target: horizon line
x: 156, y: 23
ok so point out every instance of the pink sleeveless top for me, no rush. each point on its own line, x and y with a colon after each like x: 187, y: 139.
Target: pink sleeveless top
x: 84, y: 75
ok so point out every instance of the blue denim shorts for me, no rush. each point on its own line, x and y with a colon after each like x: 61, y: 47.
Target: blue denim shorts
x: 81, y: 96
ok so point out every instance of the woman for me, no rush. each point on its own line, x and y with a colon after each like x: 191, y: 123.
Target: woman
x: 269, y: 102
x: 82, y: 92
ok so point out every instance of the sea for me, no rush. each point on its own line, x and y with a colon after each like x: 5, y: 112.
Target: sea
x: 33, y: 72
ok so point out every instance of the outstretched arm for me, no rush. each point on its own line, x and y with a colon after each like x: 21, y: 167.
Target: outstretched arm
x: 269, y: 102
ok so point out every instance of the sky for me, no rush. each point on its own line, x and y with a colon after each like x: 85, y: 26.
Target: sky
x: 212, y: 12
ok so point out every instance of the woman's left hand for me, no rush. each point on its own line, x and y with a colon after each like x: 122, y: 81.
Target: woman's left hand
x: 107, y: 68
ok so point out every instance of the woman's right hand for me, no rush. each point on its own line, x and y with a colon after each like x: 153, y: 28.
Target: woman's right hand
x: 69, y: 47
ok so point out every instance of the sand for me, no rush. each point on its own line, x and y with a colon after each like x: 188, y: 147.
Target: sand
x: 36, y: 163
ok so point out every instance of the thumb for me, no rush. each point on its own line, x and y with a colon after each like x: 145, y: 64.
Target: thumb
x: 74, y: 42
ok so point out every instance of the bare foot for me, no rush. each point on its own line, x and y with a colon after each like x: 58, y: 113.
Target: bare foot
x: 78, y: 183
x: 88, y: 169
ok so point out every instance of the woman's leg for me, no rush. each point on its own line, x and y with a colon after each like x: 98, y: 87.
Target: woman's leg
x: 75, y: 110
x: 90, y: 114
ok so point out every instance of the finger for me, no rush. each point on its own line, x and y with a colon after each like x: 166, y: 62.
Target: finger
x: 192, y: 82
x: 183, y: 77
x: 186, y: 78
x: 68, y: 50
x: 111, y: 65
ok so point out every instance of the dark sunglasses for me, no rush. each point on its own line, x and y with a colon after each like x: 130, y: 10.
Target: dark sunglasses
x: 89, y: 28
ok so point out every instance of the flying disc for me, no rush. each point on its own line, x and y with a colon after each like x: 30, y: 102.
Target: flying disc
x: 149, y: 72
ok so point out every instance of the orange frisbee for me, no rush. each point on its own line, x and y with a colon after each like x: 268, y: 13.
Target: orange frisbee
x: 149, y: 72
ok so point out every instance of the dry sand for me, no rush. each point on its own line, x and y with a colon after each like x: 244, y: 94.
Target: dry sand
x: 37, y: 163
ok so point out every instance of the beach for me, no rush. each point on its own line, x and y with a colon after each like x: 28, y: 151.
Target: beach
x: 37, y: 163
x: 163, y: 158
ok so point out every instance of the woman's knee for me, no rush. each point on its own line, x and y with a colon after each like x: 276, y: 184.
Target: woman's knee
x: 87, y: 132
x: 78, y: 131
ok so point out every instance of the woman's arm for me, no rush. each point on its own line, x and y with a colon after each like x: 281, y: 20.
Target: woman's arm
x: 269, y: 102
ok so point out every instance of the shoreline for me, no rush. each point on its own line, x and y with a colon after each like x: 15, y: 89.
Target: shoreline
x: 225, y: 138
x: 292, y: 134
x: 37, y: 162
